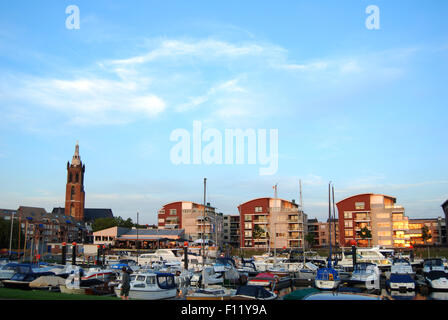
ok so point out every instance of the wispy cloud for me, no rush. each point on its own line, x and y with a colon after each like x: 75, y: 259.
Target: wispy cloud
x: 86, y: 100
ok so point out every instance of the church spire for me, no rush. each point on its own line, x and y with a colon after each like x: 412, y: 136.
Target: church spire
x: 76, y: 161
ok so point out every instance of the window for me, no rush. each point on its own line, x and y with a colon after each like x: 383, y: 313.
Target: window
x: 385, y: 242
x: 151, y: 280
x: 248, y: 234
x: 348, y: 223
x: 383, y: 216
x: 173, y: 212
x: 349, y: 233
x: 383, y: 225
x: 384, y: 233
x: 247, y: 218
x: 72, y: 193
x: 347, y: 215
x: 258, y: 209
x: 248, y: 225
x: 360, y: 205
x: 362, y: 216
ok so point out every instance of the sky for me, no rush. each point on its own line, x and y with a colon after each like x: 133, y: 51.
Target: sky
x: 364, y: 108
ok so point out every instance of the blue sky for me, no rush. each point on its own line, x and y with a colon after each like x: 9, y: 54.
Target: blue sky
x: 363, y: 108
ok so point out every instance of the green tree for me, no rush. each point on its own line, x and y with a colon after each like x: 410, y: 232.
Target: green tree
x: 309, y: 238
x: 366, y: 234
x: 5, y: 232
x: 105, y: 223
x: 426, y: 235
x: 258, y: 232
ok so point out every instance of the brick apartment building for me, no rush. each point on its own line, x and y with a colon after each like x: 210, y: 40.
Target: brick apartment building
x: 271, y: 223
x: 194, y: 218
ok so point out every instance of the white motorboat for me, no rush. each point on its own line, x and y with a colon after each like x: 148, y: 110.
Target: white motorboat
x: 365, y: 275
x: 437, y: 280
x: 150, y: 286
x: 368, y: 255
x: 248, y: 267
x: 402, y: 266
x: 207, y: 276
x: 433, y: 264
x: 168, y: 256
x: 218, y: 293
x: 98, y: 273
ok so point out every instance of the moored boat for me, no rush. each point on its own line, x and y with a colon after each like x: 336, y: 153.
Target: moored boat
x: 211, y: 294
x: 271, y: 281
x: 150, y: 286
x: 251, y: 292
x: 327, y: 279
x: 436, y: 280
x: 22, y: 278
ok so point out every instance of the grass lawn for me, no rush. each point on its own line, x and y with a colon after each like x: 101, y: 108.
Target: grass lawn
x: 17, y: 294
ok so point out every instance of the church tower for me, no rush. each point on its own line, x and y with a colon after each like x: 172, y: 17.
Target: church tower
x: 74, y: 194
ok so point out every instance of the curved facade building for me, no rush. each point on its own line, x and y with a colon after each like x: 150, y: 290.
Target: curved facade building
x: 271, y: 223
x: 379, y: 213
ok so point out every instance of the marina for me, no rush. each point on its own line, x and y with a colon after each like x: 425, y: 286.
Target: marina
x: 235, y: 278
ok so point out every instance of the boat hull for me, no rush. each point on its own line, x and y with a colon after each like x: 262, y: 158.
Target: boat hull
x: 149, y: 295
x: 13, y: 284
x: 326, y: 284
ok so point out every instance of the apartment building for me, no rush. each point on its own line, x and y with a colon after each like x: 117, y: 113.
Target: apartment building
x: 231, y: 230
x: 196, y: 219
x: 377, y: 213
x: 321, y: 232
x: 272, y: 223
x: 436, y: 228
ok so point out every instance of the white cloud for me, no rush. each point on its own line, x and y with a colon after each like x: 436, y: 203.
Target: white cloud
x: 92, y: 100
x: 205, y: 49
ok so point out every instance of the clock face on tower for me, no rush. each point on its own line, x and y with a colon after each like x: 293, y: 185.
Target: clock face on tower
x: 75, y: 195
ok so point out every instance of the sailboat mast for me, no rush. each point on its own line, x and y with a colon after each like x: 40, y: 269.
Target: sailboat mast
x: 303, y: 216
x: 203, y: 224
x: 329, y: 225
x: 334, y: 216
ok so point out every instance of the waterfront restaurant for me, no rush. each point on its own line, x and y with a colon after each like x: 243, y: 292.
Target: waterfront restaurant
x: 151, y: 238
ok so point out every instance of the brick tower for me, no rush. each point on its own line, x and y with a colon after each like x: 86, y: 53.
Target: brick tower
x: 74, y: 194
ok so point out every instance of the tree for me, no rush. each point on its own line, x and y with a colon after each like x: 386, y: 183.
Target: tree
x: 366, y: 234
x: 309, y: 238
x: 5, y: 232
x: 258, y: 232
x: 426, y: 235
x: 105, y: 223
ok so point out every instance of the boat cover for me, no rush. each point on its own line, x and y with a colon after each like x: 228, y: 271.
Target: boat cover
x: 253, y: 291
x: 46, y: 281
x: 300, y: 294
x: 400, y: 278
